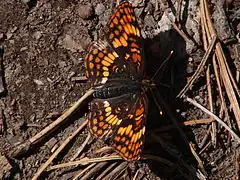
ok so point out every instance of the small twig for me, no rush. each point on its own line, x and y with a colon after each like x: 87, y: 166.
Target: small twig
x: 185, y: 123
x: 118, y: 172
x: 104, y: 149
x: 199, y: 69
x: 210, y: 100
x: 178, y: 13
x: 80, y: 78
x: 136, y: 175
x: 205, y: 137
x: 2, y: 85
x: 86, y: 161
x: 83, y: 171
x: 106, y: 171
x: 92, y: 171
x: 2, y: 123
x: 214, y: 116
x: 159, y: 159
x: 205, y: 147
x: 197, y: 121
x: 26, y: 146
x: 226, y: 75
x: 216, y: 71
x: 182, y: 34
x: 80, y: 149
x: 63, y: 145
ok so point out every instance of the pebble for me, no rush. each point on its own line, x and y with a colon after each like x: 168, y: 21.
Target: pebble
x: 25, y: 1
x: 1, y: 36
x: 37, y: 35
x: 70, y: 44
x: 23, y: 48
x: 85, y: 11
x: 100, y: 9
x: 51, y: 143
x: 53, y: 115
x: 38, y: 82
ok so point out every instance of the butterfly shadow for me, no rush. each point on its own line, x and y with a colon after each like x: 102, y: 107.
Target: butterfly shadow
x: 163, y: 140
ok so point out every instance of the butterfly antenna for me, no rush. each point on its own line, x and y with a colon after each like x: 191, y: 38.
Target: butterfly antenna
x: 164, y: 62
x: 155, y: 101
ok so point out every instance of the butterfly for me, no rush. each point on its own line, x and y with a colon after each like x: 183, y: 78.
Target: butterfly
x: 115, y: 67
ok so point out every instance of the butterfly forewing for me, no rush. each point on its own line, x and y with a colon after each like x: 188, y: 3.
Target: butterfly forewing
x: 123, y: 33
x: 102, y: 62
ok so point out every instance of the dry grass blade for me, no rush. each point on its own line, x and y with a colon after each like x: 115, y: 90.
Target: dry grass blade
x: 106, y: 171
x: 215, y: 117
x: 210, y: 100
x: 85, y: 161
x: 185, y: 123
x: 92, y: 171
x: 116, y: 171
x: 159, y: 159
x: 23, y: 148
x: 46, y: 164
x: 136, y: 175
x: 199, y: 69
x: 225, y: 73
x: 85, y: 170
x: 80, y: 149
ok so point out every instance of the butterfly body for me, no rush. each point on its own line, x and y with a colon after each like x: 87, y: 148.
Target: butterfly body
x: 115, y: 67
x: 117, y: 89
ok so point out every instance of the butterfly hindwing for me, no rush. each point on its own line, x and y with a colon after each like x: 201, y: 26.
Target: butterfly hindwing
x: 129, y: 137
x: 121, y: 121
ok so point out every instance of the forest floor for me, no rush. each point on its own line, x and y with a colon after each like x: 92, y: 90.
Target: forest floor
x: 43, y: 44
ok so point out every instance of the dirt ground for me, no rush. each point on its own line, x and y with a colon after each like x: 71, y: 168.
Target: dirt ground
x: 44, y: 45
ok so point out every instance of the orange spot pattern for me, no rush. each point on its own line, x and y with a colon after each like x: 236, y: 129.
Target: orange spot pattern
x: 119, y: 119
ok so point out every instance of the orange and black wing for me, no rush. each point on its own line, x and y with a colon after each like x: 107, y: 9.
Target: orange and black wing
x: 120, y: 121
x: 121, y: 54
x: 102, y: 63
x: 123, y: 34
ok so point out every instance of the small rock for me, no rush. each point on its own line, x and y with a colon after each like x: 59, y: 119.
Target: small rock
x: 51, y: 143
x: 1, y: 36
x: 23, y: 48
x: 10, y: 32
x: 100, y: 9
x: 53, y: 115
x: 5, y: 167
x: 38, y: 82
x: 11, y: 41
x: 62, y: 64
x: 69, y: 43
x: 25, y: 1
x: 85, y: 11
x: 37, y: 35
x: 71, y: 74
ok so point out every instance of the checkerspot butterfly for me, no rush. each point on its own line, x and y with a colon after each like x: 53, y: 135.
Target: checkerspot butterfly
x: 115, y: 67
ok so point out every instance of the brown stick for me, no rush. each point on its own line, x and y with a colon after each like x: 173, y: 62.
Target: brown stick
x: 23, y: 148
x: 46, y: 164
